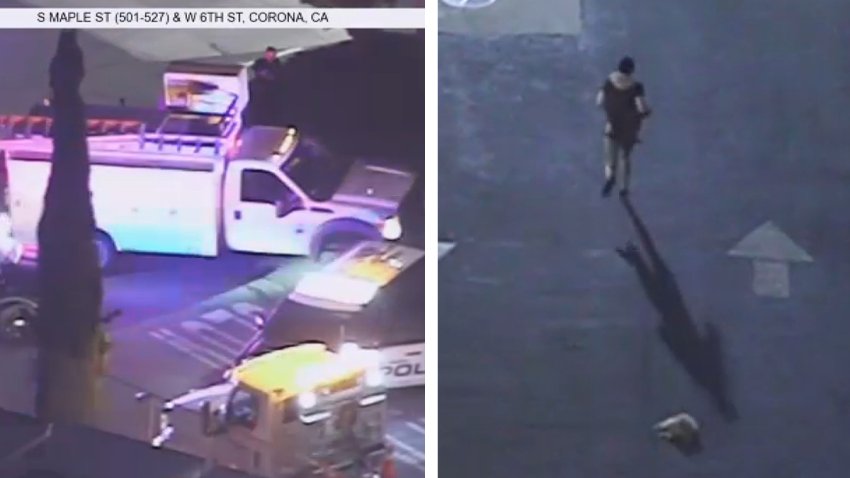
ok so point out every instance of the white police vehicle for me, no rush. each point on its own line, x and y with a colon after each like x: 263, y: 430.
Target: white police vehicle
x: 373, y: 295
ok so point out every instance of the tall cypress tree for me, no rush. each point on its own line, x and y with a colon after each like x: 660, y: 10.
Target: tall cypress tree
x: 68, y: 328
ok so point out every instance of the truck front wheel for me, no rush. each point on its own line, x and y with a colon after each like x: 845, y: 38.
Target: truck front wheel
x: 16, y: 320
x: 105, y: 249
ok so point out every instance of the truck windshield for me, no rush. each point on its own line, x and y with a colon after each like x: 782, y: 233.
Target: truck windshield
x: 316, y: 170
x: 245, y: 408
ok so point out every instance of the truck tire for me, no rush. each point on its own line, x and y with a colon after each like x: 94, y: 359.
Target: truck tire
x: 16, y: 320
x: 337, y: 237
x: 105, y: 249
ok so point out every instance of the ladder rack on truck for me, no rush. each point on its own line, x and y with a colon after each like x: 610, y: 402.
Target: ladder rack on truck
x: 226, y: 125
x: 178, y: 143
x: 26, y: 126
x: 106, y: 132
x: 184, y: 130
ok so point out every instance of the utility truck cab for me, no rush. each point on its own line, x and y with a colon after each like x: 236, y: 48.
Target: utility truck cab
x: 289, y: 195
x: 287, y: 414
x: 200, y: 179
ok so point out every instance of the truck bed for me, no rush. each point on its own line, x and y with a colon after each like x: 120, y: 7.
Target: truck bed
x: 139, y: 198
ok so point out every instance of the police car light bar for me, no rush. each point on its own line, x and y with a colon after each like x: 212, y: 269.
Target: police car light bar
x: 337, y: 288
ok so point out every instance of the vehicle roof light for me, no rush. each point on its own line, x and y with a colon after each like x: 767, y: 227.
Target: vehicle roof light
x: 350, y: 361
x: 288, y: 142
x: 337, y: 288
x: 374, y: 269
x: 349, y: 349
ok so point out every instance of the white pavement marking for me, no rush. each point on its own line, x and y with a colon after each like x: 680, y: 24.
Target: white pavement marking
x: 771, y: 279
x: 206, y: 343
x: 768, y: 242
x: 401, y: 456
x: 483, y: 280
x: 444, y: 248
x: 597, y: 253
x: 194, y: 326
x: 268, y: 286
x: 246, y: 324
x: 218, y: 316
x: 403, y: 448
x: 503, y: 244
x: 415, y: 427
x: 188, y: 351
x: 247, y: 309
x: 213, y: 344
x: 771, y: 251
x: 174, y: 340
x: 513, y: 17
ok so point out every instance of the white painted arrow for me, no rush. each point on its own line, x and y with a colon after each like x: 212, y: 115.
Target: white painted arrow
x: 444, y: 248
x: 771, y: 251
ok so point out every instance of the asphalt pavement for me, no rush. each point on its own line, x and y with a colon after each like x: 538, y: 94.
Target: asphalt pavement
x: 557, y: 354
x: 205, y: 335
x: 493, y: 18
x: 184, y: 339
x: 149, y: 286
x: 195, y: 344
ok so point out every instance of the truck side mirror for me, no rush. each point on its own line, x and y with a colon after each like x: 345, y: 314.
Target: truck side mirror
x: 281, y: 208
x: 286, y: 206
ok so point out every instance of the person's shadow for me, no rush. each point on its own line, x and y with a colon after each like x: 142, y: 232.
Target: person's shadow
x: 700, y: 352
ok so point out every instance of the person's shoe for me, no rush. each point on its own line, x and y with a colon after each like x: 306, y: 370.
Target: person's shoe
x: 606, y: 189
x: 681, y: 428
x: 624, y: 192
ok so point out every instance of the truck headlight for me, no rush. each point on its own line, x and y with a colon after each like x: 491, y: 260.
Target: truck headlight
x: 307, y: 400
x: 391, y: 229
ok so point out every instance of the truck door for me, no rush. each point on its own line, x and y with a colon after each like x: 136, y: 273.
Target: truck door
x: 262, y: 214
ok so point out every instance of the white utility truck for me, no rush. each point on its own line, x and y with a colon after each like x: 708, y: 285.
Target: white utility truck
x: 201, y: 180
x: 289, y: 413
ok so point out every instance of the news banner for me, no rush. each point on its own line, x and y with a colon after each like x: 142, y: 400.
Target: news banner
x: 401, y: 18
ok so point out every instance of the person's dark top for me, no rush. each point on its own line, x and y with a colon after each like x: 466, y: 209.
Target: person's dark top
x: 266, y: 70
x: 621, y: 109
x: 263, y: 92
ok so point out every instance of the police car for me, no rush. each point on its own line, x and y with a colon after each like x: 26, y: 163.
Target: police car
x: 373, y: 295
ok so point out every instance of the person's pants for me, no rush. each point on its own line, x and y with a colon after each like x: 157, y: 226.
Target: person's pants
x: 618, y: 165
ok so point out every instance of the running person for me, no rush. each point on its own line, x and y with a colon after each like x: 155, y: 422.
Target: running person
x: 624, y: 102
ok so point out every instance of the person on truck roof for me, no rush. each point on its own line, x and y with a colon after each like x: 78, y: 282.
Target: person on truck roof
x: 267, y: 67
x: 263, y: 91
